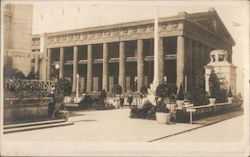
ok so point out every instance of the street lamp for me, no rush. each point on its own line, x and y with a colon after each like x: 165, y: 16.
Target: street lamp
x: 57, y: 66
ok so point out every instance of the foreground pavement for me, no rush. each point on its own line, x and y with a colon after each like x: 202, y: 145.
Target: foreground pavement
x: 109, y: 125
x: 96, y: 131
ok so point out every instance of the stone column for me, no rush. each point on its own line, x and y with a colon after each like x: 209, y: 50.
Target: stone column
x: 122, y: 66
x: 161, y: 61
x: 75, y: 67
x: 189, y: 66
x: 140, y: 64
x: 202, y: 56
x: 89, y: 70
x: 195, y: 57
x: 49, y: 64
x: 36, y: 63
x: 180, y: 61
x: 61, y: 66
x: 105, y: 76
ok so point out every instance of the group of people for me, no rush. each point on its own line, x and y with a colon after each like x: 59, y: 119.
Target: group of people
x: 129, y: 100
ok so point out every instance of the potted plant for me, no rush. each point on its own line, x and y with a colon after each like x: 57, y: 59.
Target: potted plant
x: 180, y: 98
x: 163, y: 114
x: 230, y: 96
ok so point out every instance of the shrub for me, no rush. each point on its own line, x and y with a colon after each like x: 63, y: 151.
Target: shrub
x: 117, y: 89
x: 229, y: 94
x: 162, y: 91
x: 144, y: 89
x: 146, y: 112
x: 161, y: 107
x: 63, y: 87
x: 214, y: 85
x: 222, y: 96
x: 172, y: 88
x: 31, y: 76
x: 13, y: 73
x: 198, y: 95
x: 180, y: 94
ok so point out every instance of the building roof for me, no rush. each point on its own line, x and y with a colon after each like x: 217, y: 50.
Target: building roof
x: 203, y: 19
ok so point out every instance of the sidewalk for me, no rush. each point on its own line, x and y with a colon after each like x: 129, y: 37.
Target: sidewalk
x: 93, y: 130
x: 108, y: 125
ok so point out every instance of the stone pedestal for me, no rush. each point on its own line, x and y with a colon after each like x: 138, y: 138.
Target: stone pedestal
x: 222, y: 68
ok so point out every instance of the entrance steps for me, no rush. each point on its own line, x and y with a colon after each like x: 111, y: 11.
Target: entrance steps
x: 35, y: 125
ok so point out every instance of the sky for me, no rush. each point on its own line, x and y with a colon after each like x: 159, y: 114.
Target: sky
x: 52, y: 16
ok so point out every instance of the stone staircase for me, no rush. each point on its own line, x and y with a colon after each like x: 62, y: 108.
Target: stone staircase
x: 35, y: 125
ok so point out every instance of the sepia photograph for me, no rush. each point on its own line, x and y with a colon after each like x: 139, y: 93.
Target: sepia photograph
x: 124, y: 78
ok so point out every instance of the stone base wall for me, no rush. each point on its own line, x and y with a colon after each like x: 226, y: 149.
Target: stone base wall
x: 27, y: 109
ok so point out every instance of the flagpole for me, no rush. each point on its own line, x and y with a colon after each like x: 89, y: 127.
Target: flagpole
x: 156, y: 44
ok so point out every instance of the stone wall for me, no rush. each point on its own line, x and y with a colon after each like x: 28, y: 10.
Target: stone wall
x: 18, y: 35
x: 27, y: 109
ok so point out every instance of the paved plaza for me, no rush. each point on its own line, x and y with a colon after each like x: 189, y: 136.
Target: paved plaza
x: 109, y: 125
x: 115, y: 125
x: 97, y: 130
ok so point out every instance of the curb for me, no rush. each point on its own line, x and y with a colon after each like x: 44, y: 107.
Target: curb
x: 193, y: 128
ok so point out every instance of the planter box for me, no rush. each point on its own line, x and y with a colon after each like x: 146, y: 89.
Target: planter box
x: 163, y: 117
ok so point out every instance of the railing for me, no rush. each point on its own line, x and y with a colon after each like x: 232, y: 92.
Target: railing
x: 24, y: 84
x: 198, y: 112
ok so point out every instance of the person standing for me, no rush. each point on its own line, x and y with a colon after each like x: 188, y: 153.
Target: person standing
x: 51, y: 106
x: 130, y: 99
x: 121, y: 100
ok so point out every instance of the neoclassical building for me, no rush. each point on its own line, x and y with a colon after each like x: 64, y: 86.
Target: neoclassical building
x: 124, y: 53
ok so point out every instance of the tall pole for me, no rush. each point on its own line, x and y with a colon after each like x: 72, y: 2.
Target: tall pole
x: 156, y: 47
x: 77, y: 85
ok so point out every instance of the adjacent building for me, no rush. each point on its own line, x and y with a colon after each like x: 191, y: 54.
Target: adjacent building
x: 17, y: 37
x: 124, y: 53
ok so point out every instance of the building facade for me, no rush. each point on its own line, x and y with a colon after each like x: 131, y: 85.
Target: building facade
x: 124, y: 53
x: 17, y: 37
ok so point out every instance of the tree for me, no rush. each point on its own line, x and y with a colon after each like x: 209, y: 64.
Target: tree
x: 216, y: 88
x: 31, y: 76
x: 214, y: 85
x: 198, y: 93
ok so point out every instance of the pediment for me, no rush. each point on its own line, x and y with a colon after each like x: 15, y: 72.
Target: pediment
x: 212, y: 22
